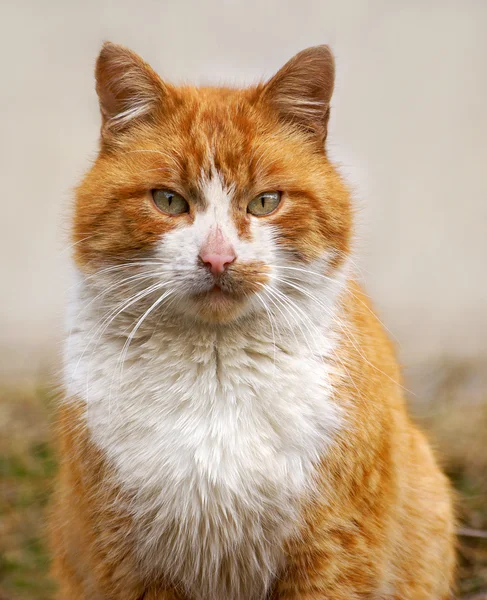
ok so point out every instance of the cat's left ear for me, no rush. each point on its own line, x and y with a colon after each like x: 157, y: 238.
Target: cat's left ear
x: 128, y: 89
x: 301, y: 91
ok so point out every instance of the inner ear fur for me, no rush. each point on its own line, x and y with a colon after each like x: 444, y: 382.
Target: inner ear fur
x: 301, y: 91
x: 128, y: 88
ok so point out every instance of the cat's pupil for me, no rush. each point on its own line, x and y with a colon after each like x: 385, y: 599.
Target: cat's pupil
x: 169, y: 200
x: 263, y: 201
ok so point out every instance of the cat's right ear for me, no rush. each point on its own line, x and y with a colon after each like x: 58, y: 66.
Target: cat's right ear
x: 128, y: 89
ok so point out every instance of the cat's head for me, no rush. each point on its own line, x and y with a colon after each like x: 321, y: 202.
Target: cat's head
x: 217, y: 199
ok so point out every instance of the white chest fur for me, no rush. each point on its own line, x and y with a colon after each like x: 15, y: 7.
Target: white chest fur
x: 215, y: 431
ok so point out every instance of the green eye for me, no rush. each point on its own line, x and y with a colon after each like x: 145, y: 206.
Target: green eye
x: 170, y: 202
x: 264, y: 204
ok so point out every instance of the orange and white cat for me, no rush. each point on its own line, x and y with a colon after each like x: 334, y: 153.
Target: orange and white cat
x: 233, y: 426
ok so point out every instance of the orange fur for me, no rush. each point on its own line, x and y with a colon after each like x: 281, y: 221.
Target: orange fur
x: 380, y: 524
x: 387, y: 530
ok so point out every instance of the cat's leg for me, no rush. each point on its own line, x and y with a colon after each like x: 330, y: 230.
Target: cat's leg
x: 91, y: 539
x: 322, y: 576
x: 357, y: 557
x: 156, y: 593
x: 349, y: 566
x: 68, y: 591
x: 70, y: 587
x: 66, y: 568
x: 341, y: 554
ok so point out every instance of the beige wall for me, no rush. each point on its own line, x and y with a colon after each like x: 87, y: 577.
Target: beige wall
x: 409, y: 127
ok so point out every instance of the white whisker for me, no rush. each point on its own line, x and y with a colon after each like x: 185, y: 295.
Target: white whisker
x: 272, y: 329
x: 342, y: 326
x: 314, y: 273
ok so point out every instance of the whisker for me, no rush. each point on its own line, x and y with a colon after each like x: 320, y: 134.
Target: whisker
x: 272, y: 329
x: 108, y: 318
x: 124, y: 351
x: 310, y: 332
x: 270, y: 293
x: 345, y: 330
x: 88, y: 237
x: 309, y: 271
x: 124, y: 281
x: 115, y: 268
x: 334, y: 353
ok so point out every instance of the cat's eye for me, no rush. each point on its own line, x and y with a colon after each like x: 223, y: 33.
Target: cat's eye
x: 264, y: 204
x: 170, y: 202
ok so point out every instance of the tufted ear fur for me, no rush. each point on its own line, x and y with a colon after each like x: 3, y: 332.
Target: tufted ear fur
x: 302, y: 89
x: 128, y: 88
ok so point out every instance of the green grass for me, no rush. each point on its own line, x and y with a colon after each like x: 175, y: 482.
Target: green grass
x: 27, y: 466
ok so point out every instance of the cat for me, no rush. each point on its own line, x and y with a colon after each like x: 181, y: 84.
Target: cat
x: 233, y: 425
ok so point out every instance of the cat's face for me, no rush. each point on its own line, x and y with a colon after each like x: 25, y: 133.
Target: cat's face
x: 212, y: 197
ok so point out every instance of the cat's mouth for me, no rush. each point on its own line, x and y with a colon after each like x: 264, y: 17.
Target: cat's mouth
x: 228, y: 294
x: 217, y: 291
x: 220, y: 292
x: 218, y: 304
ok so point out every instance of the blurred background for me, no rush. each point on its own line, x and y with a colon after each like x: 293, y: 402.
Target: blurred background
x: 409, y: 132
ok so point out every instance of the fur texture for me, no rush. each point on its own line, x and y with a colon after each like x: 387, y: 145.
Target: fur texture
x: 240, y: 435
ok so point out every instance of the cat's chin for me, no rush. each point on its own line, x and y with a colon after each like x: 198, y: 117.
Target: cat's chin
x: 217, y: 306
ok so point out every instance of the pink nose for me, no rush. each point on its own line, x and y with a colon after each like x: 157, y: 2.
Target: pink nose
x: 217, y: 252
x: 217, y: 262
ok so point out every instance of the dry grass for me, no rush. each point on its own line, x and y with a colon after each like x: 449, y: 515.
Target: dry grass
x: 455, y: 415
